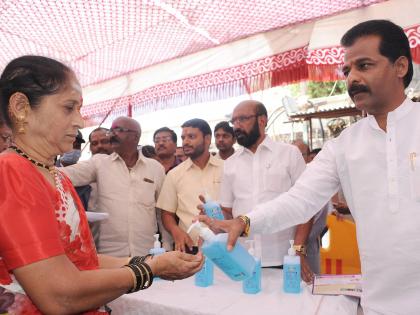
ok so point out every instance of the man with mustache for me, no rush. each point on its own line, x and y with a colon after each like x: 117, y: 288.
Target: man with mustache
x: 198, y: 175
x: 100, y: 141
x: 128, y: 187
x: 376, y: 162
x: 259, y: 171
x: 165, y: 140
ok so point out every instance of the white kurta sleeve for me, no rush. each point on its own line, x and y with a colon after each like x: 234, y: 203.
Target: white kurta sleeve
x: 318, y: 183
x: 226, y: 193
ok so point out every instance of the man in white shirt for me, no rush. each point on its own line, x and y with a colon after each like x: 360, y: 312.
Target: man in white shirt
x: 376, y: 163
x: 259, y: 171
x: 128, y: 187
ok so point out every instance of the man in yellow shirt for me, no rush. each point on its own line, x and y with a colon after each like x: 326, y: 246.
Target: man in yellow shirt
x: 200, y: 174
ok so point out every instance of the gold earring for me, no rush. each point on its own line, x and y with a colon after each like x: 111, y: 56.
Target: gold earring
x: 20, y: 124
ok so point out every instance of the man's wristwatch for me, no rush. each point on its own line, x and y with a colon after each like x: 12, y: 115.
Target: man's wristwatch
x: 247, y: 222
x: 300, y: 249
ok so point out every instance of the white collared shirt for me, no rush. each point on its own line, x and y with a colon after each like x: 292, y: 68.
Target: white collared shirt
x: 252, y: 178
x: 129, y: 196
x: 380, y: 178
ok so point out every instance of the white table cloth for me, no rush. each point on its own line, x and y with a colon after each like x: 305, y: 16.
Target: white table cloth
x: 225, y: 297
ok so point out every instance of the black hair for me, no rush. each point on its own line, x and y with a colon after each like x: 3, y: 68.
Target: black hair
x: 34, y: 76
x: 200, y: 124
x: 148, y: 151
x: 226, y: 128
x: 260, y: 109
x: 166, y: 129
x: 394, y: 43
x: 315, y: 151
x: 95, y: 130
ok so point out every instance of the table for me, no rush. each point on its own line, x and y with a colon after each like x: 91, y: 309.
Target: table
x: 225, y: 297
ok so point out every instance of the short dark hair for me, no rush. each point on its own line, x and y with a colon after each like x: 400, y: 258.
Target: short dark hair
x: 200, y: 124
x: 260, y: 109
x: 34, y: 76
x: 226, y: 128
x: 166, y: 129
x: 148, y: 151
x: 95, y: 130
x: 394, y: 43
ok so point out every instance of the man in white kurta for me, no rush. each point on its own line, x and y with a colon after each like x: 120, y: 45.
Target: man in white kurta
x: 253, y: 178
x: 377, y: 163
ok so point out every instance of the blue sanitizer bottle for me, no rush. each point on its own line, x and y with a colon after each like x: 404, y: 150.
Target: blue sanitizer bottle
x: 212, y: 209
x: 237, y: 264
x: 291, y: 271
x: 204, y: 278
x: 253, y: 285
x: 156, y: 250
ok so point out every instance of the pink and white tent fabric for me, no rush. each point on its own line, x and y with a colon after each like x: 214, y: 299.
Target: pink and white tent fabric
x: 137, y: 56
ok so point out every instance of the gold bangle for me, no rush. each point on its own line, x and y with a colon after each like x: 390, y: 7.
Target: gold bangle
x: 247, y: 222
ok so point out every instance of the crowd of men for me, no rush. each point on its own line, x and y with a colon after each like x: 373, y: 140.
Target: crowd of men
x: 152, y: 189
x: 373, y: 163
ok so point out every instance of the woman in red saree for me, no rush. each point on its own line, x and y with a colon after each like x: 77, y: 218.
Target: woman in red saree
x: 48, y: 262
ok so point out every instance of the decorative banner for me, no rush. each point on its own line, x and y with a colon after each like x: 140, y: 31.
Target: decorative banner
x: 284, y: 68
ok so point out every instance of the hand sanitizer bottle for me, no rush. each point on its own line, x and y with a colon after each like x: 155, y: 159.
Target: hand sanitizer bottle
x: 291, y: 271
x: 204, y: 277
x: 156, y: 250
x: 212, y: 209
x: 157, y: 247
x: 253, y: 285
x: 237, y: 264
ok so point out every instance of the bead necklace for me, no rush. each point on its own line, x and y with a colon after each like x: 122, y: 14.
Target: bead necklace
x: 61, y: 212
x: 51, y: 169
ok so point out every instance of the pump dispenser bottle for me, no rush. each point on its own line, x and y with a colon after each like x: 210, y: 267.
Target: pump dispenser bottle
x: 237, y: 264
x: 157, y: 247
x: 212, y: 209
x: 291, y: 271
x: 252, y: 285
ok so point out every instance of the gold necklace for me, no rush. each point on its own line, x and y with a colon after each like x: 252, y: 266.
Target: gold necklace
x: 51, y: 169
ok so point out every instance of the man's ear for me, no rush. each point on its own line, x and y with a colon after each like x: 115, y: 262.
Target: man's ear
x: 262, y: 121
x: 401, y: 66
x: 207, y: 140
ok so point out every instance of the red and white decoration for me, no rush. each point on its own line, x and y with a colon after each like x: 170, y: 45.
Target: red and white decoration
x: 110, y: 41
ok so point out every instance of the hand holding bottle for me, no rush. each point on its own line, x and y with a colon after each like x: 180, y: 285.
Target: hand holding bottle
x: 234, y: 228
x: 182, y: 240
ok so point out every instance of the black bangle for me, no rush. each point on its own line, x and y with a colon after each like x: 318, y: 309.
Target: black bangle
x: 139, y: 259
x: 149, y: 273
x: 139, y: 278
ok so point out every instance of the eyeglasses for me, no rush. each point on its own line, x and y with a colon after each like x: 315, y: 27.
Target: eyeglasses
x: 6, y: 137
x: 242, y: 119
x: 120, y: 129
x: 164, y: 139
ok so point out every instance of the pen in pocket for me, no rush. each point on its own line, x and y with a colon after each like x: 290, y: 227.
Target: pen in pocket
x: 413, y: 156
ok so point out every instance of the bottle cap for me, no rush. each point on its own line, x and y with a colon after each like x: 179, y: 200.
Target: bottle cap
x: 291, y: 251
x: 204, y: 232
x: 156, y: 244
